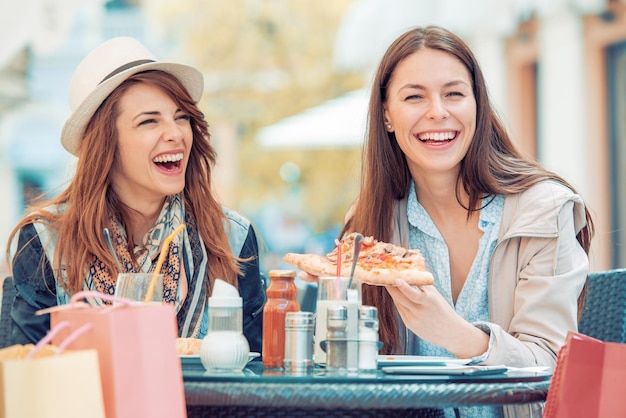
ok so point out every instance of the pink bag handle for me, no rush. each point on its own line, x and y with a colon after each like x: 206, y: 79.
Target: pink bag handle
x: 102, y: 296
x: 75, y: 302
x: 46, y: 339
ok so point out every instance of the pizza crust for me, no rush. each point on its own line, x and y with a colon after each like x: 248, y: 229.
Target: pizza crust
x: 315, y: 264
x: 381, y: 277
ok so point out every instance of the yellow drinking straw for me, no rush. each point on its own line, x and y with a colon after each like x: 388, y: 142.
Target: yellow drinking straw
x: 164, y: 250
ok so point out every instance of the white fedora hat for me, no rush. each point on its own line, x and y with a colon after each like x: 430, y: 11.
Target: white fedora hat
x: 105, y: 68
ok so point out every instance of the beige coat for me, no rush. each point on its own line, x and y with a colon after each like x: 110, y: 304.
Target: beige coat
x: 538, y: 269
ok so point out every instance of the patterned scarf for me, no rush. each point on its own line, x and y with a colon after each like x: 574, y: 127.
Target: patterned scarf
x: 184, y: 287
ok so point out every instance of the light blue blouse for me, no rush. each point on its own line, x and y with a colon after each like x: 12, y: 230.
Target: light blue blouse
x: 472, y: 303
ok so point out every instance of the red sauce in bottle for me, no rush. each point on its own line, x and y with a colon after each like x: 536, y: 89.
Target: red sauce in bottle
x: 281, y: 298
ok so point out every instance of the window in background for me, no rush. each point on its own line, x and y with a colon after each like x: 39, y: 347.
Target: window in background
x: 616, y: 87
x: 522, y: 63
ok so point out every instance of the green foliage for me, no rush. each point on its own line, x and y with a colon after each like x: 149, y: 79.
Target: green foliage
x: 265, y: 60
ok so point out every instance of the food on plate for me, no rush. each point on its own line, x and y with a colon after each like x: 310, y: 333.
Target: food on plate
x: 379, y: 263
x: 188, y: 346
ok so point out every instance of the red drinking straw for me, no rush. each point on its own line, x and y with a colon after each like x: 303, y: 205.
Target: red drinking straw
x: 338, y: 257
x: 338, y: 268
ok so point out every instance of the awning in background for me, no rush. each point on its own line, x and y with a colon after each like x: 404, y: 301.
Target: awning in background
x: 365, y: 32
x: 337, y: 123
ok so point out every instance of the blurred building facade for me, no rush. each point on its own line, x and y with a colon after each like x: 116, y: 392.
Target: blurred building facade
x: 556, y: 70
x: 566, y: 103
x: 33, y: 94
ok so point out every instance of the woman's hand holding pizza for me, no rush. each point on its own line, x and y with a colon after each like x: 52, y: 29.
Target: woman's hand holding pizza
x: 425, y: 312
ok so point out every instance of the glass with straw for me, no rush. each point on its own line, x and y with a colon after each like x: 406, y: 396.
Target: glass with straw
x: 336, y: 291
x: 146, y: 287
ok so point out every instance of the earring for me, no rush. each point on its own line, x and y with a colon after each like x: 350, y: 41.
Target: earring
x: 389, y: 127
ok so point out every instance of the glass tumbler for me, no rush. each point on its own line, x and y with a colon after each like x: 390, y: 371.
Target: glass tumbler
x: 134, y: 286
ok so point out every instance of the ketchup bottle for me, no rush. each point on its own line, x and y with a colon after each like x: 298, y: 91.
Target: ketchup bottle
x: 281, y: 298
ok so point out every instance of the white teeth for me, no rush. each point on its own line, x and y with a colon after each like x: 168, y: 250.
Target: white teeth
x: 437, y: 136
x: 169, y: 158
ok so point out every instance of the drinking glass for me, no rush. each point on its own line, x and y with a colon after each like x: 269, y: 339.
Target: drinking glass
x: 135, y: 286
x: 333, y: 290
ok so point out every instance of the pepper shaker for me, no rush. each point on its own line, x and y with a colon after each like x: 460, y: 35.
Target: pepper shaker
x: 336, y: 339
x: 298, y: 342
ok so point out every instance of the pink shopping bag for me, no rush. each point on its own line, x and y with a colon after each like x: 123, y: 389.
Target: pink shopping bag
x: 136, y: 343
x: 588, y: 380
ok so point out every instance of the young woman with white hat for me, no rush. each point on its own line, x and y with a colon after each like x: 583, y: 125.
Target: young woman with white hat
x: 144, y: 167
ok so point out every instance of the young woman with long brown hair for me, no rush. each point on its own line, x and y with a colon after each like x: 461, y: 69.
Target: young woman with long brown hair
x: 506, y: 240
x: 144, y: 167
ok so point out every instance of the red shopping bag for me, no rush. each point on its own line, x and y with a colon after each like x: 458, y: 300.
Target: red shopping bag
x: 136, y: 343
x: 588, y: 380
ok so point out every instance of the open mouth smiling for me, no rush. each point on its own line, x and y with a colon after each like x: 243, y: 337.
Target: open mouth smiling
x: 169, y: 162
x: 437, y: 137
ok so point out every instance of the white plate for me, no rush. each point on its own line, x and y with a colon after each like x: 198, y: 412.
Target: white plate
x: 450, y: 369
x: 390, y: 360
x: 196, y: 357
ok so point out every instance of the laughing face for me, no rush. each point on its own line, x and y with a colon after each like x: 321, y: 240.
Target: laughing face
x: 154, y: 141
x: 431, y: 109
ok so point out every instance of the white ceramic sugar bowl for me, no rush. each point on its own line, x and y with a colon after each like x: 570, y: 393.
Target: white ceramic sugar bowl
x: 224, y: 349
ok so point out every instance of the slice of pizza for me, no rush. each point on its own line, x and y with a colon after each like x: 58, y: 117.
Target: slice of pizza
x: 379, y: 263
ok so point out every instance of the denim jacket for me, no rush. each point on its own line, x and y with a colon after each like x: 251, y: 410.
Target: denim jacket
x: 37, y: 287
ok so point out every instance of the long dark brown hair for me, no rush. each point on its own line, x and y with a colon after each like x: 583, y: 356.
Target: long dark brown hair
x: 491, y: 166
x: 90, y: 201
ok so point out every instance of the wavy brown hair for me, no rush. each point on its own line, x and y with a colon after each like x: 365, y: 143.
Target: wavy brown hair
x: 491, y: 166
x: 90, y: 201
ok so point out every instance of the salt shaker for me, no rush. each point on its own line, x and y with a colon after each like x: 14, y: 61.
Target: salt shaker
x: 336, y: 339
x: 352, y: 335
x: 368, y: 338
x: 298, y: 343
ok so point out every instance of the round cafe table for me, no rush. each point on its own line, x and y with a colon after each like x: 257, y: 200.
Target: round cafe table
x: 257, y: 392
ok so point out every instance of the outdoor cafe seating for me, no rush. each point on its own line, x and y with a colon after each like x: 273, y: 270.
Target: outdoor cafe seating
x: 258, y: 392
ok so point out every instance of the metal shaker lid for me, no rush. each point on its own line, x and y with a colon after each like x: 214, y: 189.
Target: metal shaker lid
x: 337, y: 312
x: 368, y: 312
x: 300, y: 318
